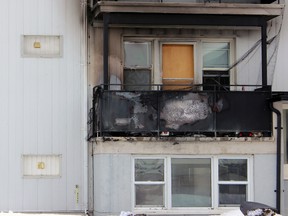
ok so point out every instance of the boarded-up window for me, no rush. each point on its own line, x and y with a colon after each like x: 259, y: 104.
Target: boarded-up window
x: 177, y: 66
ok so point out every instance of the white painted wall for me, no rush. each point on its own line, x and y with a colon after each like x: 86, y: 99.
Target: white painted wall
x: 281, y: 75
x: 114, y: 179
x: 40, y: 108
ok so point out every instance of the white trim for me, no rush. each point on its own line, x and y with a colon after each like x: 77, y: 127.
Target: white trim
x: 232, y: 44
x: 214, y: 184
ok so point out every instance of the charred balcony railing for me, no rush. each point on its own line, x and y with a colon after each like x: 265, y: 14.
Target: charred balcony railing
x: 200, y: 1
x: 222, y: 111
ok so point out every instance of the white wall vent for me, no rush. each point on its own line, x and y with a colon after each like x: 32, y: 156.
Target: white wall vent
x: 41, y: 166
x: 42, y: 46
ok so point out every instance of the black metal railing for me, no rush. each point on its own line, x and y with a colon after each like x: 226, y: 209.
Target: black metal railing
x: 188, y: 112
x: 202, y: 1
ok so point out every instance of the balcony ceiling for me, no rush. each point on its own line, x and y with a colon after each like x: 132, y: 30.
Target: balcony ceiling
x: 265, y: 11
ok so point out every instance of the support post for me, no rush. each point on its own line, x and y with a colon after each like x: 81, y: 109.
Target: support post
x: 106, y: 50
x: 264, y: 52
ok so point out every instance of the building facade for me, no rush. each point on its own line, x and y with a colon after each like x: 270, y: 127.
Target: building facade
x: 183, y: 118
x: 160, y: 107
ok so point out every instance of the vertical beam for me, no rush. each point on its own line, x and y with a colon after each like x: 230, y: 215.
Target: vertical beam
x: 106, y: 50
x: 264, y: 52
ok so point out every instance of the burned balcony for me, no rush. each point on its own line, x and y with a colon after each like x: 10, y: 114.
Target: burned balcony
x: 200, y: 1
x: 191, y: 112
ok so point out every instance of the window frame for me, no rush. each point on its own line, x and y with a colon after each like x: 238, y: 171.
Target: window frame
x: 156, y: 56
x: 231, y: 73
x: 214, y: 182
x: 149, y: 183
x: 150, y: 68
x: 285, y: 139
x: 285, y: 132
x: 248, y: 182
x: 193, y: 42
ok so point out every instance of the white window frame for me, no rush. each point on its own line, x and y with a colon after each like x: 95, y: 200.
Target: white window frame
x: 285, y: 135
x: 140, y: 40
x: 231, y: 42
x: 285, y: 129
x: 149, y: 183
x: 249, y: 181
x: 214, y: 183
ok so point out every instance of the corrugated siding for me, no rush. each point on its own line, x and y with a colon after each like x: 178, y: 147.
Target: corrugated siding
x: 40, y: 106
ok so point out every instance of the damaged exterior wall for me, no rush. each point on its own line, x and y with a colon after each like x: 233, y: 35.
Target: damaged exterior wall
x: 113, y: 158
x: 247, y: 72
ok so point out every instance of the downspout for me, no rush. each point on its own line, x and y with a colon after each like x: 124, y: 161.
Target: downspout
x: 278, y: 155
x: 264, y: 53
x: 84, y: 100
x: 106, y: 18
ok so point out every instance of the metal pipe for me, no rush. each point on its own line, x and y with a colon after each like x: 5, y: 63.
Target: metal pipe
x: 106, y: 50
x: 264, y: 52
x: 278, y: 160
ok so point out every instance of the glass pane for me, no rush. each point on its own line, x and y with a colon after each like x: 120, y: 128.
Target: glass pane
x: 216, y: 55
x: 216, y: 80
x: 232, y: 170
x: 191, y: 182
x: 232, y: 194
x: 149, y: 170
x: 137, y: 54
x: 136, y: 80
x: 149, y: 195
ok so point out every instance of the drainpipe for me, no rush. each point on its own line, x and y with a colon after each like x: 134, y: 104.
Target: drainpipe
x: 264, y: 53
x: 278, y: 160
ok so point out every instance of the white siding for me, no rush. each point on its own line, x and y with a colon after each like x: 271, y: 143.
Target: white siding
x: 40, y: 109
x: 281, y: 75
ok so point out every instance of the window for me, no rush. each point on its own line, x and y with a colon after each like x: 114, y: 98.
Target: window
x: 177, y: 66
x: 216, y: 60
x: 173, y: 64
x: 285, y: 115
x: 191, y: 182
x: 137, y: 65
x: 232, y: 181
x: 174, y: 182
x: 149, y: 182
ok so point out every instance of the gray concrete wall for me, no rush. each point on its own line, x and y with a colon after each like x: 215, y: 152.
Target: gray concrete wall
x: 113, y: 171
x: 265, y: 179
x: 285, y: 200
x: 112, y: 183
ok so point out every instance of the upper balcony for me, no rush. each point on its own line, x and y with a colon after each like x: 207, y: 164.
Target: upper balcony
x: 189, y: 112
x: 267, y: 8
